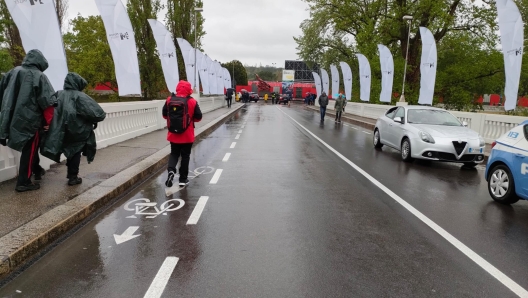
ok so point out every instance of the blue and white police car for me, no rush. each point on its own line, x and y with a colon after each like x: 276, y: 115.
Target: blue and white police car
x: 507, y: 168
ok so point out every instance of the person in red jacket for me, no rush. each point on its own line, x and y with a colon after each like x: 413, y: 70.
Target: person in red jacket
x: 181, y: 144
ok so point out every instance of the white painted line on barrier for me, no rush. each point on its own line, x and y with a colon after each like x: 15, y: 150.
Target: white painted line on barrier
x: 488, y: 267
x: 197, y: 212
x: 226, y: 157
x: 162, y: 278
x: 240, y: 131
x: 237, y: 137
x: 233, y: 145
x: 367, y: 132
x: 216, y: 176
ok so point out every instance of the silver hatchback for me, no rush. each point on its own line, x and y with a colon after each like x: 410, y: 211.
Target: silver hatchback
x: 421, y: 132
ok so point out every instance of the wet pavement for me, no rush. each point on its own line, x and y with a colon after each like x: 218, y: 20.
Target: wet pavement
x: 284, y: 216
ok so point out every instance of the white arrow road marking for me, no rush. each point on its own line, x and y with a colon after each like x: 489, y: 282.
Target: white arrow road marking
x: 162, y: 278
x: 226, y: 157
x: 127, y: 235
x: 197, y: 212
x: 237, y: 137
x: 488, y: 267
x: 216, y: 176
x: 233, y: 145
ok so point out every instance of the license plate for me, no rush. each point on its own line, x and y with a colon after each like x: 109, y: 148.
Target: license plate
x: 476, y: 150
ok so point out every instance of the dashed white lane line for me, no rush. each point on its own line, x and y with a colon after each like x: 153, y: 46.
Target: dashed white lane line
x: 354, y: 127
x: 367, y: 132
x: 237, y: 137
x: 216, y: 176
x: 197, y: 212
x: 488, y: 267
x: 160, y: 281
x: 242, y: 126
x: 233, y: 145
x: 226, y: 157
x: 240, y: 131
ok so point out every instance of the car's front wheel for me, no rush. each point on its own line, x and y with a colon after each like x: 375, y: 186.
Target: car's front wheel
x: 377, y: 140
x: 501, y: 186
x: 406, y: 150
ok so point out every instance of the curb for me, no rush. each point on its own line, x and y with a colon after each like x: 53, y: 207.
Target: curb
x: 20, y: 245
x: 344, y: 118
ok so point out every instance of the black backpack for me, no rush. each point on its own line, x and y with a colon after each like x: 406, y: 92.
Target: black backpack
x: 178, y: 114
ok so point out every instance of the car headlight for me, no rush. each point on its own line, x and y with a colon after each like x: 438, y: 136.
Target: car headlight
x: 482, y: 142
x: 426, y: 137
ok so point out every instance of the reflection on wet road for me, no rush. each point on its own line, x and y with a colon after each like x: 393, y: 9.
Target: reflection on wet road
x: 273, y: 211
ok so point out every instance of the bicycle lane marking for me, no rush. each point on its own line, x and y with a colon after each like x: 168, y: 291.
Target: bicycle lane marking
x: 488, y: 267
x: 216, y: 176
x: 226, y: 157
x: 197, y: 212
x: 233, y: 145
x: 162, y: 278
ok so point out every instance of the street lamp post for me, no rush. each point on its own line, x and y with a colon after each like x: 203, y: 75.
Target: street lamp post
x: 409, y: 20
x: 196, y: 10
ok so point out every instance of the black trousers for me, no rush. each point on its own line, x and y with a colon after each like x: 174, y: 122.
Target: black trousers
x: 229, y: 102
x: 73, y: 165
x: 29, y: 161
x: 183, y: 150
x: 338, y: 115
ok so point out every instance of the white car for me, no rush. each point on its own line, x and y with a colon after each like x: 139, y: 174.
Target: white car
x: 421, y: 132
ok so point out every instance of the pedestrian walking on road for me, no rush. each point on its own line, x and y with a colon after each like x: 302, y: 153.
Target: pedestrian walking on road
x: 323, y: 102
x: 339, y: 107
x: 26, y: 110
x: 229, y: 96
x: 72, y: 129
x: 181, y: 112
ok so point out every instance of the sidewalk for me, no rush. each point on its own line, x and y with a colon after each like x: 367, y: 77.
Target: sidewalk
x: 23, y: 215
x: 371, y: 123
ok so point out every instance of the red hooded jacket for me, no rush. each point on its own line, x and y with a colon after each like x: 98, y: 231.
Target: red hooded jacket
x: 184, y: 90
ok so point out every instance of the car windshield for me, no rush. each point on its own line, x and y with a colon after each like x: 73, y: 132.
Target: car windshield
x: 432, y: 117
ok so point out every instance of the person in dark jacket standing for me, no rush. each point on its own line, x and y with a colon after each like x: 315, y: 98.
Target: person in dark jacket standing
x: 72, y: 130
x: 229, y: 96
x: 323, y: 102
x: 26, y: 109
x: 181, y: 144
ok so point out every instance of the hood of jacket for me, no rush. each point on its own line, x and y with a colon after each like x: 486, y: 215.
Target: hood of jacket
x: 35, y: 58
x: 184, y: 89
x: 74, y: 81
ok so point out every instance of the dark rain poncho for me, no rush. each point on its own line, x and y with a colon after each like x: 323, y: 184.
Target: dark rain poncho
x: 25, y: 92
x: 71, y: 129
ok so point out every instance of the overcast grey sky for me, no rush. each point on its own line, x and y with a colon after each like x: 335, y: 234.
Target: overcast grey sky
x: 252, y: 31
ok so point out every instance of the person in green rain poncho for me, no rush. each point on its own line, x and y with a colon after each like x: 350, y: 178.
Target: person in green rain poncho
x: 72, y: 129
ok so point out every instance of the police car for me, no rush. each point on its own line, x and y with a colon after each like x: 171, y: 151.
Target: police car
x: 507, y: 168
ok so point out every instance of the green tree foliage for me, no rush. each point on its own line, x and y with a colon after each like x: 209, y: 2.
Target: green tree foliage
x: 10, y: 40
x: 267, y: 73
x: 139, y: 12
x: 465, y: 32
x: 241, y: 76
x: 89, y: 53
x: 180, y: 22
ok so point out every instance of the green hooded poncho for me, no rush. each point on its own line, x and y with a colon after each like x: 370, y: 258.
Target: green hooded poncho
x: 25, y: 92
x: 71, y: 129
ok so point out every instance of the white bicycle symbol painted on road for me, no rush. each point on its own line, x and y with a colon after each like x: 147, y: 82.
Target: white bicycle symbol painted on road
x: 145, y: 207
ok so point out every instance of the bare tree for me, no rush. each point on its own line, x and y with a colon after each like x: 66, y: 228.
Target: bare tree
x: 62, y: 11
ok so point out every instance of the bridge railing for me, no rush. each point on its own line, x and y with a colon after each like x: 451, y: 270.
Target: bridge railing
x: 124, y: 121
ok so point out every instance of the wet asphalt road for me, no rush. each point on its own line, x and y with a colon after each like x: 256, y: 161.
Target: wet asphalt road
x: 288, y: 218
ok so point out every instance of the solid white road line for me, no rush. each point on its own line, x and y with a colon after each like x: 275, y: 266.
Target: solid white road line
x: 197, y: 212
x: 226, y: 157
x: 160, y: 281
x: 488, y: 267
x: 216, y: 176
x: 237, y: 137
x: 233, y: 145
x: 240, y: 131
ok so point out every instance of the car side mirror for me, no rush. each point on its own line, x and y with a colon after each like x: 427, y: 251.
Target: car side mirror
x: 398, y: 119
x: 464, y: 123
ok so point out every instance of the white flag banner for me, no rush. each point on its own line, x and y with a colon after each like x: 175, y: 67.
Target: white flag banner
x: 347, y: 79
x: 219, y: 78
x: 167, y: 54
x: 227, y: 78
x: 318, y: 86
x: 512, y: 40
x: 188, y: 58
x: 326, y: 83
x: 335, y: 81
x: 364, y: 77
x: 427, y: 67
x: 39, y: 29
x: 120, y: 35
x: 211, y: 69
x: 203, y: 71
x: 387, y: 73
